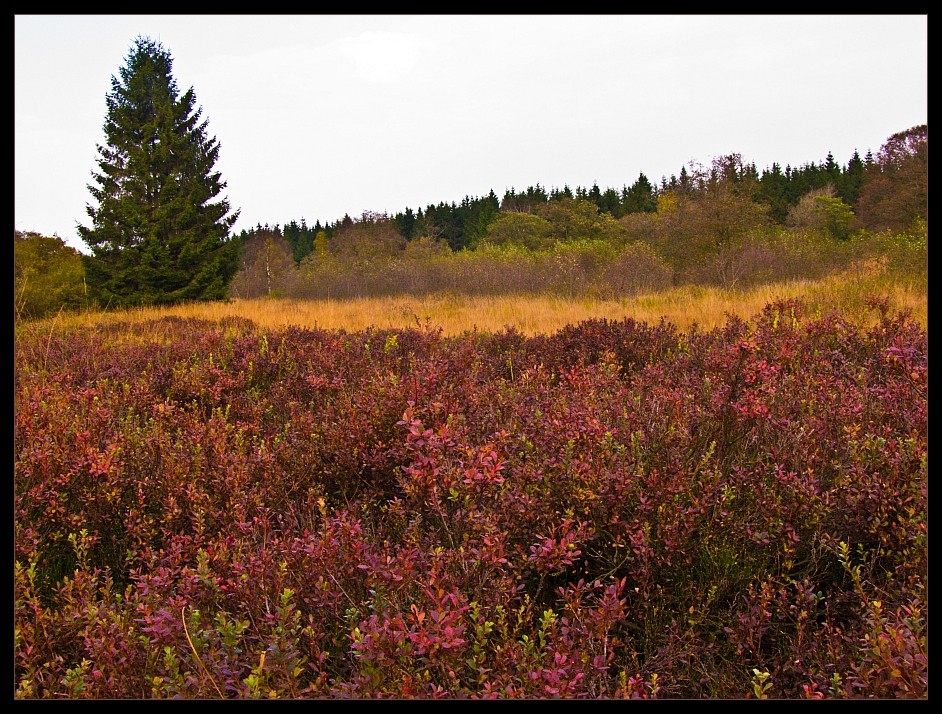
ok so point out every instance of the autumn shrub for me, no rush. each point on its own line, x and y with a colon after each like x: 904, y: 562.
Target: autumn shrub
x: 767, y: 256
x: 47, y: 276
x: 577, y: 268
x: 775, y: 255
x: 616, y: 510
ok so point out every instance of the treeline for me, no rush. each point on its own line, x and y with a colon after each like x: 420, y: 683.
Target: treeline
x: 723, y: 224
x: 883, y: 192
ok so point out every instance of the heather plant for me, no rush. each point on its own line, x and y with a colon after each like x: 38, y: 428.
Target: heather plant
x: 216, y: 510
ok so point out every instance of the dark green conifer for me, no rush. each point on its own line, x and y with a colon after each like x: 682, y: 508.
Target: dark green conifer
x: 158, y: 235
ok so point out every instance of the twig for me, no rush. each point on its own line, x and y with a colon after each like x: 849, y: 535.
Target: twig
x: 195, y: 654
x: 331, y: 576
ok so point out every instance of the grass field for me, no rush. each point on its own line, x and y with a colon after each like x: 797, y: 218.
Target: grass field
x: 685, y: 306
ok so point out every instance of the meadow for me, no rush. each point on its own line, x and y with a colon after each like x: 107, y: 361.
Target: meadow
x: 695, y: 493
x: 847, y: 291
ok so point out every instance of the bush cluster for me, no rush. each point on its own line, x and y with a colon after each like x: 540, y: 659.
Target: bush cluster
x: 646, y: 258
x: 586, y: 268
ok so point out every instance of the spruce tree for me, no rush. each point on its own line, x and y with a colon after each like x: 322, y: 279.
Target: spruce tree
x: 641, y: 197
x: 158, y: 235
x: 851, y: 180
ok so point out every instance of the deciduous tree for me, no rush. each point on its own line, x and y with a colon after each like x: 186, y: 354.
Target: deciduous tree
x: 267, y: 266
x: 822, y: 210
x: 895, y: 191
x: 47, y: 275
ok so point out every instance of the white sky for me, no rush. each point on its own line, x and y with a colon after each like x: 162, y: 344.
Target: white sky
x: 322, y: 115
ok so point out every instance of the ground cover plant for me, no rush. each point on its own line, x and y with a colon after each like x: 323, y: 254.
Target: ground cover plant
x: 616, y: 509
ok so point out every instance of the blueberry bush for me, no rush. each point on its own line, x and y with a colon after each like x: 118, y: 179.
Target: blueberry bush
x: 617, y: 510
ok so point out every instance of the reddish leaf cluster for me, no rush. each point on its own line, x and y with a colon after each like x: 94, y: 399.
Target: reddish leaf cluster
x: 616, y: 510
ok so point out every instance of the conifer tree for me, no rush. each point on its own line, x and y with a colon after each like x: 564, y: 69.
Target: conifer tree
x: 848, y: 187
x: 159, y: 235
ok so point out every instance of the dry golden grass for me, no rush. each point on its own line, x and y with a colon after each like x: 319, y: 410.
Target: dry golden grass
x: 532, y: 314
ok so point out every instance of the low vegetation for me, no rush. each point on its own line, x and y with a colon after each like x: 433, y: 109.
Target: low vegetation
x: 213, y: 509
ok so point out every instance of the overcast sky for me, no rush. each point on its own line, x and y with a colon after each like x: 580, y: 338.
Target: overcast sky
x: 324, y: 115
